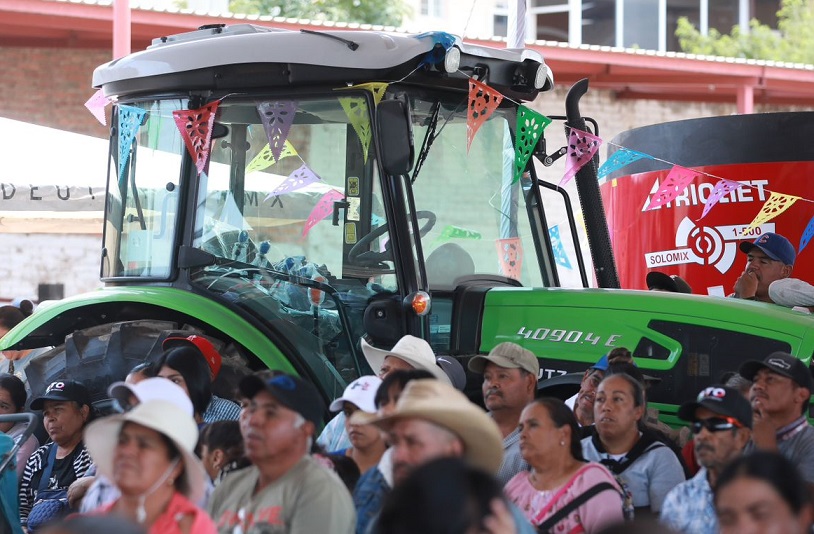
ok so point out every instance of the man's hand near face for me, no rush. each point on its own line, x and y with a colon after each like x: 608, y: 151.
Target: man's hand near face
x: 746, y: 285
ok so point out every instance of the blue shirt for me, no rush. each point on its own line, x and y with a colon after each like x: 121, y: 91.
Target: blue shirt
x: 368, y: 496
x: 689, y: 507
x: 334, y: 436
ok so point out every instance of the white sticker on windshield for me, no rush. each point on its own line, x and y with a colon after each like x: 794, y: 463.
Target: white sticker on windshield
x: 353, y: 208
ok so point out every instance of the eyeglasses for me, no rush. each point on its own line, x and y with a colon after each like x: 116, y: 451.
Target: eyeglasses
x: 716, y: 424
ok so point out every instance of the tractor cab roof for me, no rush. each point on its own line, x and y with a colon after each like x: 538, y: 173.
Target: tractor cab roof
x: 247, y: 56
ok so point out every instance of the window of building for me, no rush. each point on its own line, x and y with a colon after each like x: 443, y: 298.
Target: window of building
x: 641, y: 29
x: 500, y: 26
x: 431, y: 8
x: 691, y: 9
x: 723, y: 15
x: 647, y: 24
x: 599, y: 22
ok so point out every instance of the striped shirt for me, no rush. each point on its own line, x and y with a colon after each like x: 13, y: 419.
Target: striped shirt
x: 33, y: 472
x: 221, y: 410
x: 513, y: 461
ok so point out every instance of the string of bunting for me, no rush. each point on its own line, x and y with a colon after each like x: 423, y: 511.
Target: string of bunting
x: 582, y: 146
x: 680, y: 177
x: 277, y: 117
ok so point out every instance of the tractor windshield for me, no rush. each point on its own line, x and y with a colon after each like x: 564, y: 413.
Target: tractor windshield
x: 482, y: 222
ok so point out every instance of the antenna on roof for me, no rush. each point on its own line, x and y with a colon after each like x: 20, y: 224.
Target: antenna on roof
x: 517, y: 24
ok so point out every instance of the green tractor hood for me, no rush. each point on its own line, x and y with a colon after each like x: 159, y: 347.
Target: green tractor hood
x: 50, y: 325
x: 684, y: 342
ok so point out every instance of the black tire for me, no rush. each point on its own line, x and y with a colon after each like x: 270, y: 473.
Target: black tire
x: 101, y: 355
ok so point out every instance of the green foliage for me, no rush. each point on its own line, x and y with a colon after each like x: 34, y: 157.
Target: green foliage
x: 793, y: 41
x: 383, y: 12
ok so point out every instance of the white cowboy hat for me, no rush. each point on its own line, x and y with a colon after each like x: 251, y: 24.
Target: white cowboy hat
x: 102, y: 436
x: 412, y: 350
x: 445, y: 406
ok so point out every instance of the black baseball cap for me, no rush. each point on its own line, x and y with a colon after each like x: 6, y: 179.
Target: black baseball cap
x: 667, y: 282
x: 62, y: 391
x: 722, y: 400
x: 783, y: 364
x: 292, y: 392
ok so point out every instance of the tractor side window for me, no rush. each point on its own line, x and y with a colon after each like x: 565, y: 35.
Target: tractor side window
x: 706, y: 353
x: 142, y: 203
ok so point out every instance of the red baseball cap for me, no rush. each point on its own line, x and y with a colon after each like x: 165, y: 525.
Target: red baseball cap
x: 204, y: 346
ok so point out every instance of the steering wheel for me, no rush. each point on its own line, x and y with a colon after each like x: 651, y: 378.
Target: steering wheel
x: 223, y: 244
x: 359, y: 253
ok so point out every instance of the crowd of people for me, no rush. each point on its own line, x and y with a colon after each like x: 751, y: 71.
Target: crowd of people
x: 408, y: 451
x: 419, y: 455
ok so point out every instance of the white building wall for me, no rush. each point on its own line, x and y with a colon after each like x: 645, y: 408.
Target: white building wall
x: 33, y: 259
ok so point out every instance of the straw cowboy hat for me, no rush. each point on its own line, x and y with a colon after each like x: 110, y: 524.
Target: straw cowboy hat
x: 412, y: 350
x: 102, y: 436
x: 445, y: 406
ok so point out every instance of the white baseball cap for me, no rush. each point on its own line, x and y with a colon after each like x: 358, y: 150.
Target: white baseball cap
x: 361, y: 392
x: 149, y: 389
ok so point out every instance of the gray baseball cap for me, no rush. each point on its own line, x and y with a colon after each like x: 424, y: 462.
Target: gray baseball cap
x: 509, y: 355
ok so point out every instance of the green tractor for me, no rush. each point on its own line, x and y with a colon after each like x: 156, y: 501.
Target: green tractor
x: 285, y: 193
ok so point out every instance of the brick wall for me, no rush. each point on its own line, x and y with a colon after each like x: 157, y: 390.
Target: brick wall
x: 50, y: 87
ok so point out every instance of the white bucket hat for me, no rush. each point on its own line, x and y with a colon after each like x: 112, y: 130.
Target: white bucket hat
x: 361, y: 392
x: 102, y: 436
x: 412, y: 350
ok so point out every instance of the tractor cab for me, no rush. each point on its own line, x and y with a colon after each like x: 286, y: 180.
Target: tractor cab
x: 317, y: 186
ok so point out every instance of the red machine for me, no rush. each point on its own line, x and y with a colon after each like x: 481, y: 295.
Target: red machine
x: 765, y: 152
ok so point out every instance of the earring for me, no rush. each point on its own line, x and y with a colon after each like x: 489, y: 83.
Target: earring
x: 170, y: 481
x: 562, y: 444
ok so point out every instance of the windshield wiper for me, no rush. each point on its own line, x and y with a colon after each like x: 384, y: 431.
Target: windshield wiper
x: 350, y: 44
x: 432, y: 135
x: 429, y: 137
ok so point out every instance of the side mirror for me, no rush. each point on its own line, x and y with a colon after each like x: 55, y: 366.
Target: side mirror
x: 395, y: 133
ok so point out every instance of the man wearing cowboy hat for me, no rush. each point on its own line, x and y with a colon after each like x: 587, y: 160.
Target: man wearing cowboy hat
x: 509, y: 384
x: 285, y: 490
x: 409, y: 352
x: 434, y: 420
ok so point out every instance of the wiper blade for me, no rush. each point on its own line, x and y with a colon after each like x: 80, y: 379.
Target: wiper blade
x: 429, y: 137
x: 432, y: 135
x: 350, y: 44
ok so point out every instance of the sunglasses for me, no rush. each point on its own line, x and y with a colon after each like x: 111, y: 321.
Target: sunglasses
x: 716, y: 424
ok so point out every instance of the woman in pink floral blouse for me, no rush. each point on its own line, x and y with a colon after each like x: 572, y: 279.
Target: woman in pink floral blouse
x: 562, y: 493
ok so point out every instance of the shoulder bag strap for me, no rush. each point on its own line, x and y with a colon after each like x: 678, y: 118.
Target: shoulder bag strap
x: 578, y: 501
x: 49, y: 465
x: 565, y: 487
